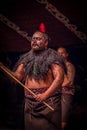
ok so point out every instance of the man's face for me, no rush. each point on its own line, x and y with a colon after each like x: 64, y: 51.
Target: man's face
x: 38, y: 41
x: 62, y: 52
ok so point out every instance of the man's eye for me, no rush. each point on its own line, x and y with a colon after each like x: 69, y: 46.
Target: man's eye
x: 36, y: 38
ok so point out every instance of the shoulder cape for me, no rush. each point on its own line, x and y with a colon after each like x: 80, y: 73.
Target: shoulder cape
x: 38, y: 64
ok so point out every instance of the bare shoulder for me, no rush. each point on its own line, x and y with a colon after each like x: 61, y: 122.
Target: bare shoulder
x: 69, y: 65
x: 57, y: 70
x: 57, y: 67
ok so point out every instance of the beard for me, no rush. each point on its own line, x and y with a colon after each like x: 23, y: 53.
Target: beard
x: 37, y: 48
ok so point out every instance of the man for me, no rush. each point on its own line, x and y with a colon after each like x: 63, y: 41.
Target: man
x: 67, y: 86
x: 42, y: 71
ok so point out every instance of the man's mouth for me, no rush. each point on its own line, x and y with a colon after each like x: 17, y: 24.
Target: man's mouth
x: 34, y: 45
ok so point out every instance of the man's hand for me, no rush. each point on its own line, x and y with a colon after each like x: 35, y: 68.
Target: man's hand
x: 40, y: 97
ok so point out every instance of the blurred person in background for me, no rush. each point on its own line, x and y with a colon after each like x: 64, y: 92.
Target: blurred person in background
x: 68, y: 87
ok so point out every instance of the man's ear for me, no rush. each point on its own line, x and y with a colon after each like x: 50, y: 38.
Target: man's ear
x: 46, y: 43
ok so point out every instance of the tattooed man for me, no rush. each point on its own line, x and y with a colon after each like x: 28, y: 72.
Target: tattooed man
x: 42, y: 71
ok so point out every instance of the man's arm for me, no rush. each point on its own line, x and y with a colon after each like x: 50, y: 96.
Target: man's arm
x: 69, y: 77
x: 58, y: 75
x: 20, y: 72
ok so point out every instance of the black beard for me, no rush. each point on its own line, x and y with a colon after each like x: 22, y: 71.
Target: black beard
x: 38, y: 51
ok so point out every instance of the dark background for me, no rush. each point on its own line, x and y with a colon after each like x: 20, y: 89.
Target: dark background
x: 28, y: 15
